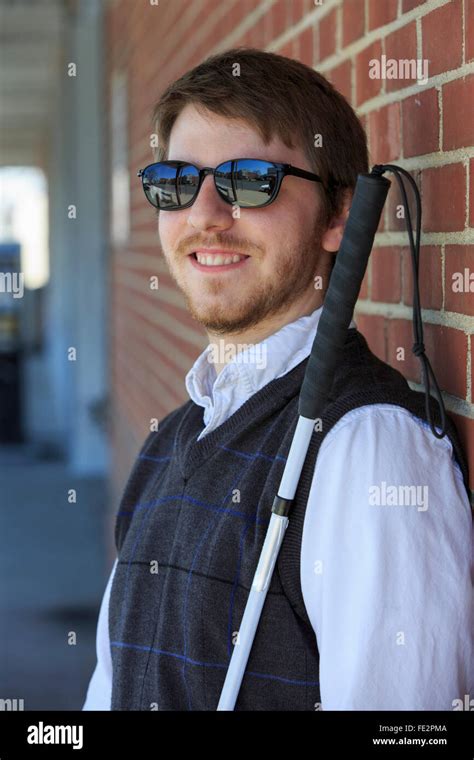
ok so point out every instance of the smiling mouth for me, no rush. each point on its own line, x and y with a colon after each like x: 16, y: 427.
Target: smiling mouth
x: 218, y: 259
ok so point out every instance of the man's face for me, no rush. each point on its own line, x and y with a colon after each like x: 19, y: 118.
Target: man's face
x: 282, y: 241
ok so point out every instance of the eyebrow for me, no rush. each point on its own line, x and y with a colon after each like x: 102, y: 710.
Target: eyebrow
x: 200, y: 166
x: 194, y: 163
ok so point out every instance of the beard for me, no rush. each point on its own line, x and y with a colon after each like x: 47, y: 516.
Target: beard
x: 292, y: 275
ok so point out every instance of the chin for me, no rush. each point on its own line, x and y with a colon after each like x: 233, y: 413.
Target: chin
x: 217, y: 318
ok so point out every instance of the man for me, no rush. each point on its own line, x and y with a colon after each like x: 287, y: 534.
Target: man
x: 370, y: 605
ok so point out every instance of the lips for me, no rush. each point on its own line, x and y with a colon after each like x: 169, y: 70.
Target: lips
x: 217, y: 261
x: 217, y: 258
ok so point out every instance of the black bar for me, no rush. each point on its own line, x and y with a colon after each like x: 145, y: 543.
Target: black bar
x: 344, y: 286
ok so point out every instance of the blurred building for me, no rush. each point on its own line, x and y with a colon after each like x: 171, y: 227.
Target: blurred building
x: 51, y: 96
x: 54, y: 376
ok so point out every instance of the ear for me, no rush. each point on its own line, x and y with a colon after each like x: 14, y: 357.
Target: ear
x: 331, y: 239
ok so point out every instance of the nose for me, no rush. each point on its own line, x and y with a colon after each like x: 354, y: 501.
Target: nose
x: 209, y: 210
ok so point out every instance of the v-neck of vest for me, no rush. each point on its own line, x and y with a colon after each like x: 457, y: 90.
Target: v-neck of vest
x: 190, y: 452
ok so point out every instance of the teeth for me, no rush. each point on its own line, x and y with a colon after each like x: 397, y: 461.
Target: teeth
x: 218, y: 259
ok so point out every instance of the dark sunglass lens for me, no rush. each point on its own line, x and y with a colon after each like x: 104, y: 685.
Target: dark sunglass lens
x: 225, y: 182
x: 254, y: 182
x: 188, y: 181
x: 167, y: 185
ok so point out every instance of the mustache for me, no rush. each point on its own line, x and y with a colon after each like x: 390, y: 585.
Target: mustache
x: 245, y: 247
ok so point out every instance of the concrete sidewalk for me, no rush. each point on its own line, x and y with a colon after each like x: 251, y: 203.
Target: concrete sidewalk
x: 53, y: 571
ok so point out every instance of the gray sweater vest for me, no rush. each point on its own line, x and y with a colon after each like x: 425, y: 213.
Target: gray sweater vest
x: 189, y: 531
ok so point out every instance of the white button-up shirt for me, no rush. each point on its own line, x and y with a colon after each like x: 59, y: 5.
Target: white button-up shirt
x: 387, y: 583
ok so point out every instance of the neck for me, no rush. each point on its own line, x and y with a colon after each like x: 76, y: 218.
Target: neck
x: 225, y: 347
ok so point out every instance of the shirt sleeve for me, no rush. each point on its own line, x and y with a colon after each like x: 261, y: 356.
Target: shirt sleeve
x: 99, y: 692
x: 387, y: 572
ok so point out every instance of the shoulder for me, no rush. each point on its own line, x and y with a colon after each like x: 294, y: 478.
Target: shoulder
x: 392, y: 432
x: 380, y: 446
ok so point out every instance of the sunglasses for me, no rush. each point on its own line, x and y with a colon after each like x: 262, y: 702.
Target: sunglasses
x: 246, y: 182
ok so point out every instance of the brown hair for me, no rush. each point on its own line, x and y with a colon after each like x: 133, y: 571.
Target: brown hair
x: 276, y: 96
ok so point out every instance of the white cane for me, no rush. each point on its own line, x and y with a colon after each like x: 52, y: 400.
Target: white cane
x: 351, y: 262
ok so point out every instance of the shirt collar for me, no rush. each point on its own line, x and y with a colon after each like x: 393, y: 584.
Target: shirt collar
x: 252, y: 367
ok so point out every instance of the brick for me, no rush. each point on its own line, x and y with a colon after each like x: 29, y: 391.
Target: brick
x: 471, y: 192
x: 381, y: 13
x: 385, y: 134
x: 394, y: 203
x: 353, y: 20
x: 408, y: 5
x: 267, y: 22
x: 420, y: 119
x: 327, y: 35
x: 245, y: 39
x: 289, y: 11
x: 441, y: 33
x: 279, y: 18
x: 366, y: 87
x: 443, y: 197
x: 257, y: 36
x: 306, y: 41
x: 299, y: 9
x: 472, y: 368
x: 381, y: 227
x: 295, y: 48
x: 211, y: 7
x: 400, y: 335
x: 458, y: 113
x: 286, y: 49
x: 401, y: 45
x: 364, y: 288
x: 446, y: 349
x: 372, y: 326
x: 340, y: 77
x: 459, y: 283
x: 469, y: 30
x: 430, y: 282
x: 386, y: 274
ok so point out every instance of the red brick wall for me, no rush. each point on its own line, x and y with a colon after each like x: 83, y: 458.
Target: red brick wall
x: 427, y: 129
